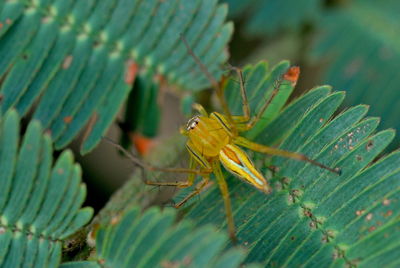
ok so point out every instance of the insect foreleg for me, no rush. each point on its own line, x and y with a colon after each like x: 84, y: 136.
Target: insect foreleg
x: 278, y: 152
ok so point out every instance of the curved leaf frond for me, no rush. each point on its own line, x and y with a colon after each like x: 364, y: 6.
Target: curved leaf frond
x: 364, y: 58
x: 151, y: 239
x: 81, y: 57
x: 39, y: 204
x: 314, y: 217
x: 270, y: 17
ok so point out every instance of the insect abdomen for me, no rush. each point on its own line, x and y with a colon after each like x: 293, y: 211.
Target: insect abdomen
x: 237, y: 162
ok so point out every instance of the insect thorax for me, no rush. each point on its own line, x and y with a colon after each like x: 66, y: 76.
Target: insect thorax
x: 206, y: 135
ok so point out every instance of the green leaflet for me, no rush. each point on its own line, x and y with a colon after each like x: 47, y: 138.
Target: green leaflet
x: 364, y: 58
x: 314, y: 217
x: 152, y: 239
x: 80, y: 58
x: 39, y: 205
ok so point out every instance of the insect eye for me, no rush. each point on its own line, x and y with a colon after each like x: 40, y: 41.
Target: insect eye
x: 193, y: 123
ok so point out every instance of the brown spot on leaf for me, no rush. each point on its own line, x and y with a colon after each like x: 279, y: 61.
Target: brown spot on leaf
x: 388, y: 213
x: 360, y: 212
x: 90, y: 125
x: 67, y: 62
x: 369, y: 145
x: 131, y: 72
x: 369, y: 217
x: 292, y: 75
x: 67, y: 119
x: 308, y: 213
x: 372, y: 228
x: 386, y: 202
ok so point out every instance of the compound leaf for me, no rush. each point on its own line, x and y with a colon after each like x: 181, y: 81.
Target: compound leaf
x: 79, y: 59
x: 39, y: 204
x: 152, y: 239
x: 364, y: 57
x: 315, y: 217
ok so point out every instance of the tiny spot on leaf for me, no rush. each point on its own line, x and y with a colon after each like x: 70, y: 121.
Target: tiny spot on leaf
x: 369, y: 216
x: 308, y: 213
x: 292, y: 75
x: 388, y: 213
x: 60, y: 171
x: 131, y: 72
x: 360, y: 212
x: 67, y: 62
x: 369, y: 145
x: 67, y: 119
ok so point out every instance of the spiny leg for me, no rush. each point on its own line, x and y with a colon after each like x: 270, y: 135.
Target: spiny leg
x: 137, y: 162
x: 181, y: 184
x: 227, y: 201
x: 213, y: 81
x: 278, y: 152
x: 245, y: 102
x: 291, y: 76
x: 199, y: 188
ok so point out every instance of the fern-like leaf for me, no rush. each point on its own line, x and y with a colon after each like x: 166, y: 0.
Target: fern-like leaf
x: 364, y: 58
x: 152, y: 239
x: 314, y: 217
x: 39, y: 205
x: 81, y: 57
